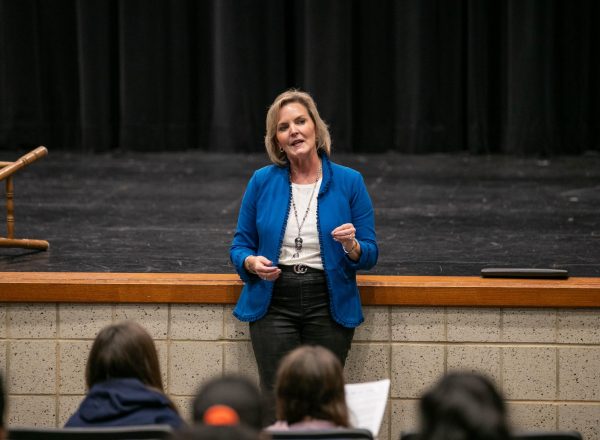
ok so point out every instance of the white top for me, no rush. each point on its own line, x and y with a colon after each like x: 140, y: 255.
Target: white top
x: 310, y: 254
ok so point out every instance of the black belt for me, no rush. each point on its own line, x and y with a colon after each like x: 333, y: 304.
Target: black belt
x: 299, y: 269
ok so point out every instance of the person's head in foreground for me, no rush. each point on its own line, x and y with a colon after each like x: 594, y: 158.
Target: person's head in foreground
x: 309, y: 389
x: 463, y: 406
x: 124, y: 382
x: 228, y: 400
x: 123, y: 350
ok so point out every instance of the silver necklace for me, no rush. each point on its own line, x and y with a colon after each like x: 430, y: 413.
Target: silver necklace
x: 298, y: 240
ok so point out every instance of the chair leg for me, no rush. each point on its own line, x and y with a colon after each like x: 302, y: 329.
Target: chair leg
x: 10, y: 208
x: 10, y: 241
x: 25, y: 243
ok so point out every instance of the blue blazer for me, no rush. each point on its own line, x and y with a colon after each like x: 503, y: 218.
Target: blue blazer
x: 263, y: 216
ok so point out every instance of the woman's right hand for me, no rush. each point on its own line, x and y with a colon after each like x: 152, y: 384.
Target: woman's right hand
x: 262, y: 267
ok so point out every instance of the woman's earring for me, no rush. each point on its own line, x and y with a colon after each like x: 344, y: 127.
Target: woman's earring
x: 280, y: 150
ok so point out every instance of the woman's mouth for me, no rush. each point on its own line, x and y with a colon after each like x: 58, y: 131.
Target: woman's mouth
x: 297, y: 142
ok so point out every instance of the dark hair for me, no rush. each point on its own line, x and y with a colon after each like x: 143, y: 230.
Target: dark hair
x: 463, y: 406
x: 228, y: 432
x: 236, y: 392
x: 310, y: 382
x: 124, y: 350
x: 2, y: 402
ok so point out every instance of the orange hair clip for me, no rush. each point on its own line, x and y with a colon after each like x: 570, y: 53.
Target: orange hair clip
x: 218, y: 415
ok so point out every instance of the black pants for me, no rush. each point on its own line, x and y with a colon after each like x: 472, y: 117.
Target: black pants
x: 298, y: 315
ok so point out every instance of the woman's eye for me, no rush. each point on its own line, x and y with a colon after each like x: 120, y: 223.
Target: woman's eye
x: 301, y: 121
x: 282, y: 128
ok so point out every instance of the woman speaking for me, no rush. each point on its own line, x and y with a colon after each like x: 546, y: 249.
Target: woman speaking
x: 305, y: 227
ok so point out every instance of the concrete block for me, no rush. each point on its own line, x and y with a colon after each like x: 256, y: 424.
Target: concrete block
x: 67, y: 405
x: 192, y: 363
x: 73, y: 357
x: 3, y: 316
x: 32, y: 321
x: 475, y: 358
x: 376, y: 326
x: 3, y: 357
x: 184, y: 406
x: 199, y: 322
x: 529, y: 325
x: 405, y: 417
x: 234, y: 328
x: 418, y: 324
x: 153, y: 317
x: 532, y: 416
x: 32, y: 367
x: 83, y: 321
x: 239, y: 360
x: 35, y: 411
x: 162, y: 349
x: 579, y: 373
x: 529, y: 373
x: 473, y: 325
x: 579, y: 326
x: 415, y: 368
x: 584, y: 418
x: 367, y: 362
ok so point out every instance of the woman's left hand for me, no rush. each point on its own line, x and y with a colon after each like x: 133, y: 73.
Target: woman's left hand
x: 345, y: 235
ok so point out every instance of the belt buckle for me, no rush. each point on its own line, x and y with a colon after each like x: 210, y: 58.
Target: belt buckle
x: 300, y: 268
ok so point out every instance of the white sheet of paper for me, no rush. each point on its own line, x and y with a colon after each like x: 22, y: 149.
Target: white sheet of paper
x: 366, y: 402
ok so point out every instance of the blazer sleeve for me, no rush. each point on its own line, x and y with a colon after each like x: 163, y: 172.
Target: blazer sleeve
x: 363, y: 219
x: 245, y: 239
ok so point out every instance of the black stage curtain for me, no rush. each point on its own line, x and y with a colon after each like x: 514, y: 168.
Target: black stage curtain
x: 410, y: 76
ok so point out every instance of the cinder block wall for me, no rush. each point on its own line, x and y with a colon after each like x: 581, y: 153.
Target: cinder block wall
x: 546, y: 361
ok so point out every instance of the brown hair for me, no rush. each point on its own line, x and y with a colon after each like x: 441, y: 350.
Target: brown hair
x: 124, y: 350
x: 323, y: 139
x: 310, y: 382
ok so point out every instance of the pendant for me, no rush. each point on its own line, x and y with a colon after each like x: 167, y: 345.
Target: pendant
x: 298, y: 244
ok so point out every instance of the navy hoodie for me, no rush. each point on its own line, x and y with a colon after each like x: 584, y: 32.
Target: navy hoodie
x: 124, y: 402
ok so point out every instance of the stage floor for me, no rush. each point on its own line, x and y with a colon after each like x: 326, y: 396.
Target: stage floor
x: 435, y: 214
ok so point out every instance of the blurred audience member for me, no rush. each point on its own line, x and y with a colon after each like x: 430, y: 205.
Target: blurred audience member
x: 309, y: 391
x: 124, y: 382
x: 229, y: 400
x: 463, y: 406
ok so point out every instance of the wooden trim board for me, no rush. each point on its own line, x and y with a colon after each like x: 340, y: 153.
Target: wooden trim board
x: 91, y: 287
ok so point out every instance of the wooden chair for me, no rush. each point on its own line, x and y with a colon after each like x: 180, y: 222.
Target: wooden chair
x: 7, y: 169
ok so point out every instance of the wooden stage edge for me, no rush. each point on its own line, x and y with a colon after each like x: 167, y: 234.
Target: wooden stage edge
x: 379, y: 290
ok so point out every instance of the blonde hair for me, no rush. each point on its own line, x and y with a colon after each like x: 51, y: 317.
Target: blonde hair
x: 323, y: 139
